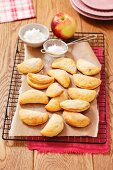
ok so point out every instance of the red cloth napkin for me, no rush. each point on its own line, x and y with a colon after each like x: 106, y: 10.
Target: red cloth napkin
x: 80, y: 147
x: 11, y: 10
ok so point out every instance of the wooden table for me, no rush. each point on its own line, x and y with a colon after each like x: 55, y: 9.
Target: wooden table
x: 15, y: 156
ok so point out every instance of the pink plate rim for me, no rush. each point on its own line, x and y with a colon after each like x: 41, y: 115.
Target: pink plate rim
x: 89, y: 15
x: 96, y: 4
x: 79, y: 4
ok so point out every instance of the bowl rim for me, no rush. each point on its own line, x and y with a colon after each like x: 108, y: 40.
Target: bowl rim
x: 33, y: 43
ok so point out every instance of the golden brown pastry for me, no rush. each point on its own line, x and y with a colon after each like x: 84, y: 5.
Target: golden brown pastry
x: 33, y: 118
x: 54, y: 103
x: 66, y: 64
x: 83, y: 94
x: 39, y: 78
x: 54, y: 126
x: 86, y: 82
x: 76, y: 119
x: 36, y: 85
x: 87, y: 67
x: 54, y: 90
x: 33, y: 96
x: 32, y: 65
x: 61, y: 76
x: 75, y: 105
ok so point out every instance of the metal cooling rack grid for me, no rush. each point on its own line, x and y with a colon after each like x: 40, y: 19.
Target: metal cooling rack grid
x: 14, y: 93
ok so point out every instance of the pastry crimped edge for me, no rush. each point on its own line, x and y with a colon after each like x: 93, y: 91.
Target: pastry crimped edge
x: 39, y: 78
x: 38, y: 86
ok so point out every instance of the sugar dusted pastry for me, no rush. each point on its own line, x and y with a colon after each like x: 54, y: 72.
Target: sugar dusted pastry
x: 87, y: 67
x: 54, y: 90
x: 86, y: 82
x: 54, y: 103
x: 33, y: 96
x: 37, y: 85
x: 75, y: 105
x: 76, y: 119
x: 61, y: 76
x: 40, y: 78
x: 33, y: 118
x: 66, y: 64
x: 54, y: 126
x: 83, y: 94
x: 32, y: 65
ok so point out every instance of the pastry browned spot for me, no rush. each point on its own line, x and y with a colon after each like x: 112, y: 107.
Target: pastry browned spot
x: 87, y: 67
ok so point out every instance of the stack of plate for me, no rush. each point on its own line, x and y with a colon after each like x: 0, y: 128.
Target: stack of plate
x: 96, y: 9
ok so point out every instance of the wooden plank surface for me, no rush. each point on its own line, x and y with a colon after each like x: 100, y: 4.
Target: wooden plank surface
x: 18, y: 157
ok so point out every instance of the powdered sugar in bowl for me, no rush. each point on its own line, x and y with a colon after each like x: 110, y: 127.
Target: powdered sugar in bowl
x: 34, y: 34
x: 55, y: 47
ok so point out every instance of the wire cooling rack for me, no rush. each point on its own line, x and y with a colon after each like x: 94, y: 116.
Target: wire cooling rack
x: 14, y: 93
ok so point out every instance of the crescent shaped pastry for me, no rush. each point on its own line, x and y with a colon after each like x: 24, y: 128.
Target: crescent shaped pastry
x: 61, y: 76
x: 32, y: 65
x: 54, y: 103
x: 37, y: 85
x: 33, y: 96
x: 76, y: 119
x: 66, y: 64
x: 54, y: 126
x: 83, y: 94
x: 39, y: 78
x: 75, y: 105
x: 86, y: 82
x: 87, y: 67
x: 33, y: 118
x: 54, y: 90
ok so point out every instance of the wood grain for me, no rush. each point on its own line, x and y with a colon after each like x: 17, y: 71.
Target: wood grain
x: 18, y: 157
x: 51, y: 161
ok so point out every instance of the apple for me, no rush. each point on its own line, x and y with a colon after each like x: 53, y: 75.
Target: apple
x: 63, y: 25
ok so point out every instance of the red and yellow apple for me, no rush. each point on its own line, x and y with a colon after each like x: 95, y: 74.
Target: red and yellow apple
x: 63, y: 25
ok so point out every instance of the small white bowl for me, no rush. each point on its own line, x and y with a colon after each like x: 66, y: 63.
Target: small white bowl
x: 55, y: 42
x: 43, y: 29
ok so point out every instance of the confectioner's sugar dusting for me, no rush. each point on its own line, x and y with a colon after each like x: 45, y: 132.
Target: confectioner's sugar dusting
x: 55, y: 49
x: 32, y: 62
x: 34, y: 36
